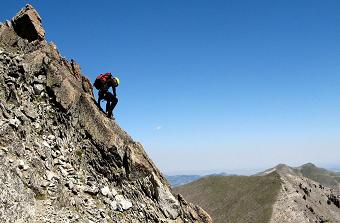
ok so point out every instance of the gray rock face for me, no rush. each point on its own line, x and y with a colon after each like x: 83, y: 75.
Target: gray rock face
x: 61, y: 159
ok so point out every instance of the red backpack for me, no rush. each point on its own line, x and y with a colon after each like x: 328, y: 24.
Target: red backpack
x: 101, y: 80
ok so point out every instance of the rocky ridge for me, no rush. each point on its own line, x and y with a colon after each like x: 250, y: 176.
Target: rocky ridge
x: 302, y: 199
x: 61, y: 159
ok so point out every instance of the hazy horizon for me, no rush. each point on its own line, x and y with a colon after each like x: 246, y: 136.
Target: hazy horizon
x: 242, y: 171
x: 212, y: 85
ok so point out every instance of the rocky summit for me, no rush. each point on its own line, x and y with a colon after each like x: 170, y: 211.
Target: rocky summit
x: 61, y: 158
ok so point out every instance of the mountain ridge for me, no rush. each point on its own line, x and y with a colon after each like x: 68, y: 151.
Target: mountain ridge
x: 321, y: 175
x: 284, y: 193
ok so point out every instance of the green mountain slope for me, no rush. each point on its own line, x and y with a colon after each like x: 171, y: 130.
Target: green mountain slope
x: 234, y: 198
x: 320, y: 175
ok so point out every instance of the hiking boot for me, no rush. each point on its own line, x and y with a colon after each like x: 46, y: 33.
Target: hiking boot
x: 110, y: 116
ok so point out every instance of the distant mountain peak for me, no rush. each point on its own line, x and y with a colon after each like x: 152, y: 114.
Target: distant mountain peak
x: 309, y: 165
x: 281, y: 166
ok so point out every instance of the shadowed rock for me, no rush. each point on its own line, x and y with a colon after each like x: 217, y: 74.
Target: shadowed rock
x: 27, y: 24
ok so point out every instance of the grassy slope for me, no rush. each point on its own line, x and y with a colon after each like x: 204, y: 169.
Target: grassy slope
x: 234, y: 198
x: 323, y: 176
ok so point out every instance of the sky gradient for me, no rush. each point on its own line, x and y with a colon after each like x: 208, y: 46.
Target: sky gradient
x: 232, y: 85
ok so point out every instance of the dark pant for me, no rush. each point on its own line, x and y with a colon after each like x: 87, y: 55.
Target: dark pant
x: 111, y: 101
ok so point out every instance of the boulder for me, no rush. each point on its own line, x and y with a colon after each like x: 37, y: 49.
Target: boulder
x: 27, y: 24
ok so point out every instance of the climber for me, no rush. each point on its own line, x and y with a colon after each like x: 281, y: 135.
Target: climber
x: 103, y: 83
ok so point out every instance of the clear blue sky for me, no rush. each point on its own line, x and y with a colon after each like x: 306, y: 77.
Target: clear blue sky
x: 212, y: 85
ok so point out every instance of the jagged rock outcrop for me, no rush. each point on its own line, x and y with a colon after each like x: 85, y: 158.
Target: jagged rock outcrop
x: 27, y: 24
x: 61, y: 159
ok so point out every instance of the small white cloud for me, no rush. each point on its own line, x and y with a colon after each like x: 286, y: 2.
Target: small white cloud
x: 158, y: 127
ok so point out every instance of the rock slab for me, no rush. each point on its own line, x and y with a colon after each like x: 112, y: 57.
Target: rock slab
x: 27, y: 24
